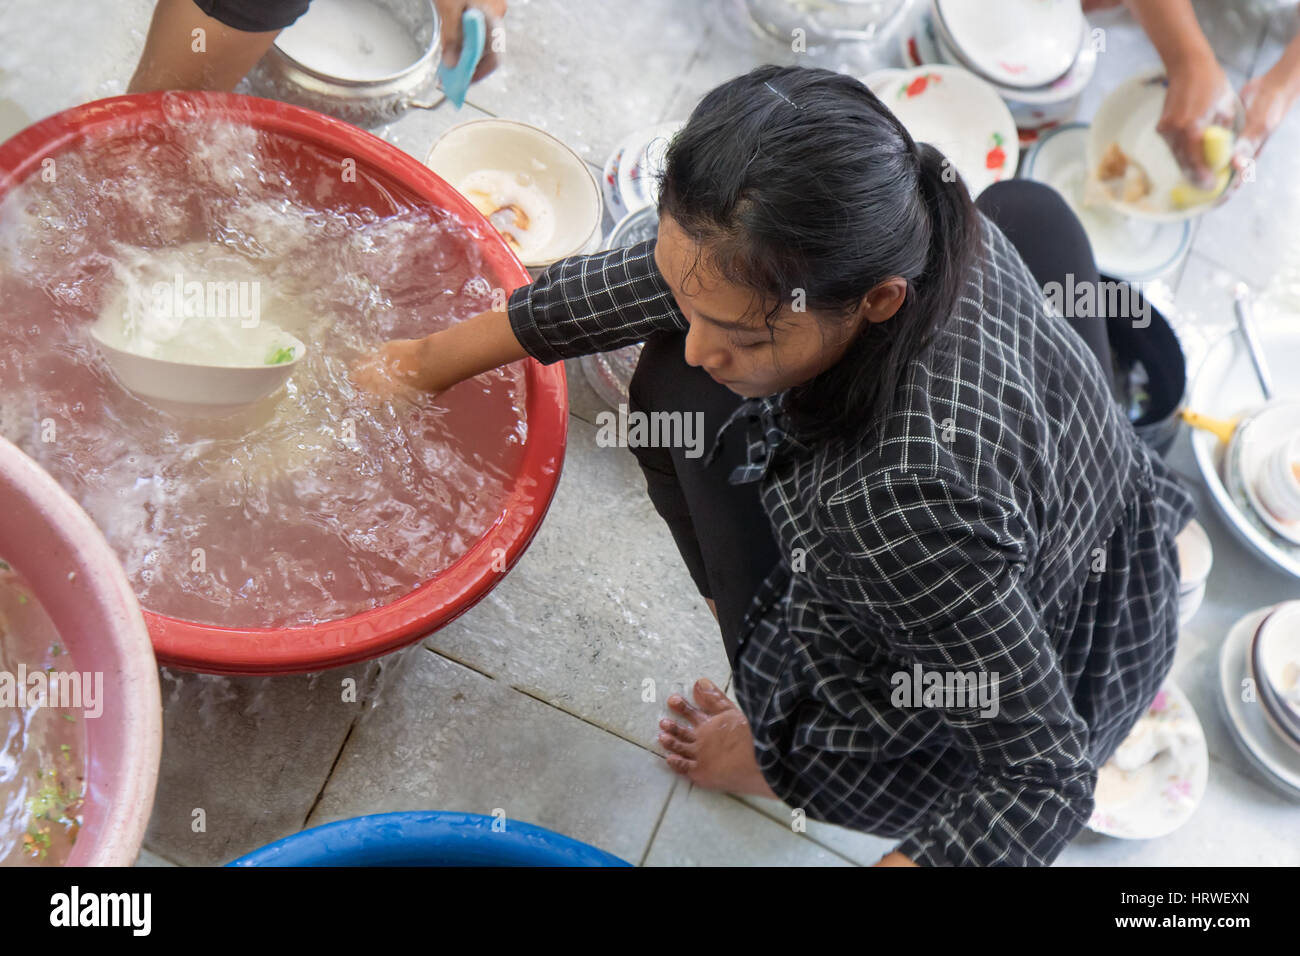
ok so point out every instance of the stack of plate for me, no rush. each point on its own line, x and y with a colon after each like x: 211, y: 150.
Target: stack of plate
x: 1037, y: 54
x: 819, y: 23
x: 1275, y: 666
x: 1195, y: 558
x: 631, y: 177
x: 1259, y: 667
x: 610, y: 373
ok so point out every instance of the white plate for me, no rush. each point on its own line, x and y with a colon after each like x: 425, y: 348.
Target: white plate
x: 1021, y: 44
x: 642, y: 161
x: 1271, y: 755
x: 609, y: 184
x: 1255, y: 441
x: 958, y: 113
x: 1162, y: 795
x: 1126, y: 248
x: 1128, y: 116
x: 1225, y: 387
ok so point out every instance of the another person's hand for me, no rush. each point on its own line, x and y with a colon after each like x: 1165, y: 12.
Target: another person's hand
x: 449, y: 15
x: 1199, y: 96
x: 1267, y: 99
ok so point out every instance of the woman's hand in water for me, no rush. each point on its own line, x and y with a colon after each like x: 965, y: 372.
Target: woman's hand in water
x: 395, y: 366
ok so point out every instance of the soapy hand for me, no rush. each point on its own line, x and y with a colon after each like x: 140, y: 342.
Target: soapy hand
x: 1199, y: 96
x: 450, y: 13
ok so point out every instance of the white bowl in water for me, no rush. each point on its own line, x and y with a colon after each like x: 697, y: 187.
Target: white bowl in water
x: 187, y: 387
x: 539, y: 164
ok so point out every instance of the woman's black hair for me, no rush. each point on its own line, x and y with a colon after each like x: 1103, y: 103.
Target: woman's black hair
x: 800, y: 184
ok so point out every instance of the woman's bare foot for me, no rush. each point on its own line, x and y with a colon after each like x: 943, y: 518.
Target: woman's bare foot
x: 715, y: 748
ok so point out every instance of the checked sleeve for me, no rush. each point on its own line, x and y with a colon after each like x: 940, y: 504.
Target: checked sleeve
x: 587, y: 304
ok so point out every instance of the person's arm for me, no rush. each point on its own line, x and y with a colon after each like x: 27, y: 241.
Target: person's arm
x: 578, y: 306
x: 1269, y: 98
x: 941, y: 572
x: 171, y: 62
x: 1199, y: 92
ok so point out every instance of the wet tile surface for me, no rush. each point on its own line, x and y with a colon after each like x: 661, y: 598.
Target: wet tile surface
x: 449, y: 738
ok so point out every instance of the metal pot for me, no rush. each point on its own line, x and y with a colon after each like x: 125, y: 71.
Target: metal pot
x: 361, y: 102
x: 824, y: 21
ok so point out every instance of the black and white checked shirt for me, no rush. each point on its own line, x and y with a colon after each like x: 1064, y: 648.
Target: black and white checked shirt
x: 1008, y: 521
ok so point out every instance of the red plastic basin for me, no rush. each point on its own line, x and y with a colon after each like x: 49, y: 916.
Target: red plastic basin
x: 437, y: 602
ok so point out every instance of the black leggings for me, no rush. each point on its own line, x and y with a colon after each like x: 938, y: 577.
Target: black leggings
x: 722, y: 530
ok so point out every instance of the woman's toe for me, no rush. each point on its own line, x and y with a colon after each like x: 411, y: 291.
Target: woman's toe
x: 681, y: 764
x: 677, y: 745
x: 680, y: 705
x: 680, y: 731
x: 710, y: 698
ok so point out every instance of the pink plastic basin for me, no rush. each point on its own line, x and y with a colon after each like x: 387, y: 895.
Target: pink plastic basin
x: 75, y: 575
x: 222, y: 650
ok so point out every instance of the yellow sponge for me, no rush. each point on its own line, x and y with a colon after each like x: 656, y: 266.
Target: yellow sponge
x: 1185, y: 195
x: 1217, y: 145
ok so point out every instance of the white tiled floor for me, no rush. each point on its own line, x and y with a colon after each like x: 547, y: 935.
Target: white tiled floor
x: 532, y: 702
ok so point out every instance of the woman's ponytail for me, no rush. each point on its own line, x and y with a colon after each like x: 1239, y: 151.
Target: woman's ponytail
x: 954, y: 238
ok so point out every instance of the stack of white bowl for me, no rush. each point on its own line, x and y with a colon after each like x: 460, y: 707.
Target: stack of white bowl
x: 1195, y: 558
x: 1038, y: 55
x: 1275, y: 665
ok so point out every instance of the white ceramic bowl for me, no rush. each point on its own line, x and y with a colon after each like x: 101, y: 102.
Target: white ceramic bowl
x: 958, y: 113
x: 526, y: 151
x: 1251, y: 453
x: 1128, y: 117
x: 1278, y: 481
x: 1195, y: 556
x: 1275, y: 664
x: 1126, y: 248
x: 1021, y: 44
x: 196, y: 388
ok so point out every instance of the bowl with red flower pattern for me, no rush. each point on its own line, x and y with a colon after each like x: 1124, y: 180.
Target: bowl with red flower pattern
x: 959, y: 114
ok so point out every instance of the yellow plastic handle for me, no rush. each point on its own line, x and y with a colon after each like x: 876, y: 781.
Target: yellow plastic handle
x: 1217, y: 426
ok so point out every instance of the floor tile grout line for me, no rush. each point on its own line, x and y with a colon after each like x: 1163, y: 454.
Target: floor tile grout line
x: 551, y: 704
x: 145, y: 849
x: 806, y: 835
x: 663, y: 812
x: 333, y: 766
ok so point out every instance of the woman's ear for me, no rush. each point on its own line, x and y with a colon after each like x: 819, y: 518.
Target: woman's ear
x: 884, y: 300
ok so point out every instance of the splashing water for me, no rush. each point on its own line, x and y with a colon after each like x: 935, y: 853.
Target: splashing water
x: 316, y: 503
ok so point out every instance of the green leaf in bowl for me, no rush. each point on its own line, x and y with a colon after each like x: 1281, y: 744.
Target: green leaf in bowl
x: 280, y: 355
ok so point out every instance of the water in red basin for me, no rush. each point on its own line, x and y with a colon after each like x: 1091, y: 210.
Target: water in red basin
x: 319, y: 523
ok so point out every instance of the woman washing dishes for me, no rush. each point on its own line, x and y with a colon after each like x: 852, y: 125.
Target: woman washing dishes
x: 919, y: 469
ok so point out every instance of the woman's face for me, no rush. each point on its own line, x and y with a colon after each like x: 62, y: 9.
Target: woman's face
x: 729, y: 337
